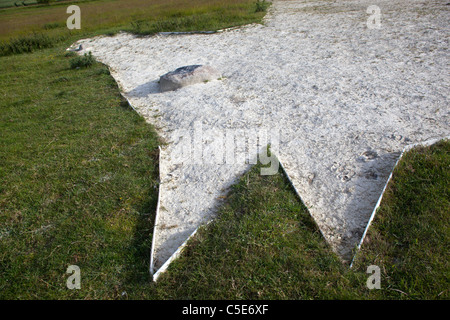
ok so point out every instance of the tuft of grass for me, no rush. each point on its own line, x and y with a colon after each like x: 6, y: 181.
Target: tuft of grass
x: 263, y: 245
x: 84, y: 61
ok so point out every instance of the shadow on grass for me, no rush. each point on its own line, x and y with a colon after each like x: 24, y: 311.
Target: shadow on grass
x: 137, y: 262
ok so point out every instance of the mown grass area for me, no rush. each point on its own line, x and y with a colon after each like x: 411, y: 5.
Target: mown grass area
x: 79, y: 178
x: 79, y: 186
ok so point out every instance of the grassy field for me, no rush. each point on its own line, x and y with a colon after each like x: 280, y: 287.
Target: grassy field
x: 78, y: 172
x: 79, y: 186
x: 144, y: 16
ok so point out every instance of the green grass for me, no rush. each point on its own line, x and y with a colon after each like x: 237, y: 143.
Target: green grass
x: 79, y: 186
x: 261, y: 5
x: 411, y: 236
x: 79, y: 178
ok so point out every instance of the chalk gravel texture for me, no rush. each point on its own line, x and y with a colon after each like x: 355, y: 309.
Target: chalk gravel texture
x: 344, y: 98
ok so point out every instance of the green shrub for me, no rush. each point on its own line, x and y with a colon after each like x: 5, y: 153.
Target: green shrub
x: 188, y: 23
x: 84, y: 61
x: 261, y: 6
x: 70, y: 54
x: 26, y: 44
x: 139, y: 26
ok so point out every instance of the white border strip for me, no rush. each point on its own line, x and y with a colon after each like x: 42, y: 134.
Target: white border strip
x: 372, y: 216
x: 157, y: 214
x: 177, y: 253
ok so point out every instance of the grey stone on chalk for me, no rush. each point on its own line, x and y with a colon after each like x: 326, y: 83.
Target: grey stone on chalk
x: 79, y: 48
x: 187, y: 75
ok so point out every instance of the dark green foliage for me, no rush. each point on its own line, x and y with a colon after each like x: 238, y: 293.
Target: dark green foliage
x: 26, y: 44
x: 84, y: 61
x: 261, y: 6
